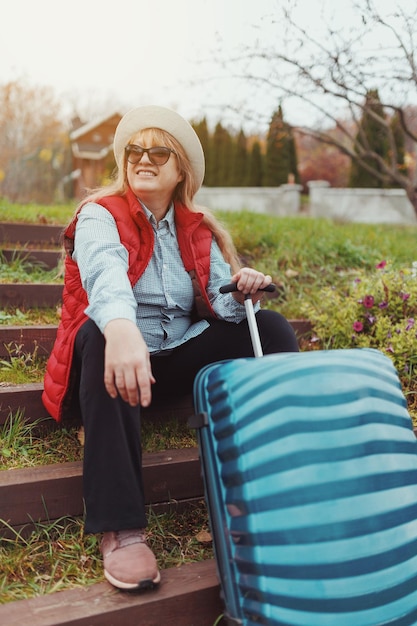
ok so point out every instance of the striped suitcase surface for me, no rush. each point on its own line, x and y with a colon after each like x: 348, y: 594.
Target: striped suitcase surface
x: 310, y: 469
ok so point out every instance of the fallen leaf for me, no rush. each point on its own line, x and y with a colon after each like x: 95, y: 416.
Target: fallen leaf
x: 203, y: 536
x: 291, y: 273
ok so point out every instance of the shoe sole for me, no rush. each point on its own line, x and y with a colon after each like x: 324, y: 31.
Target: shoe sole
x: 147, y: 583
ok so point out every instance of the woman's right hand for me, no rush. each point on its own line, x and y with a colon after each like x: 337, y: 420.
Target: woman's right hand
x: 127, y: 365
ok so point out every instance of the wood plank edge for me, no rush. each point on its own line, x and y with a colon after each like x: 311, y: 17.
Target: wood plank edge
x: 188, y: 596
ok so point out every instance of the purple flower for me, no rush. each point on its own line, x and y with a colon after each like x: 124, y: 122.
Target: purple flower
x: 357, y: 327
x: 371, y: 319
x: 410, y: 324
x: 381, y: 265
x: 368, y: 302
x: 404, y: 296
x: 383, y: 304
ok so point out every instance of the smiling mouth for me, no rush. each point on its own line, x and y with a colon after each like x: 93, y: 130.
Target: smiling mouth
x: 145, y: 173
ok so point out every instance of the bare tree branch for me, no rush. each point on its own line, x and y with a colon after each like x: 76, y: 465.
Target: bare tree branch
x: 332, y: 73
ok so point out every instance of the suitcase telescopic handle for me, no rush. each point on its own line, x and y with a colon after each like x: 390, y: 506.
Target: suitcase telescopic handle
x: 250, y: 314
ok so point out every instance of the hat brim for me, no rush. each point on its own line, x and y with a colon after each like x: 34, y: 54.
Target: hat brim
x: 166, y: 119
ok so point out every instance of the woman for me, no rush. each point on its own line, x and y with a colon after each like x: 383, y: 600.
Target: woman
x: 141, y: 314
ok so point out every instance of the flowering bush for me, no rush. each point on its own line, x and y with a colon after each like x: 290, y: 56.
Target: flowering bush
x: 377, y: 310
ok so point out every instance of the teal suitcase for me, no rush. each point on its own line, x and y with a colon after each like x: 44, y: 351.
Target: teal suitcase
x: 310, y: 471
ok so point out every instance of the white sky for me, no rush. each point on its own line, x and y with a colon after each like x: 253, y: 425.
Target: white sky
x: 103, y: 55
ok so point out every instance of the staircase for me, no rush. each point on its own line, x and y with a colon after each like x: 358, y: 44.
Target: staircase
x: 188, y: 595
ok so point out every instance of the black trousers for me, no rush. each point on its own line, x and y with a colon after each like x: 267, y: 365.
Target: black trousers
x: 112, y: 475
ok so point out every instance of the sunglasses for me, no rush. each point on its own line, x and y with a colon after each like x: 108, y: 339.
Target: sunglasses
x: 158, y: 155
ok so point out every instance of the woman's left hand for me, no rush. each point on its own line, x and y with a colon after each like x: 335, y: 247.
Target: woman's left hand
x: 250, y: 281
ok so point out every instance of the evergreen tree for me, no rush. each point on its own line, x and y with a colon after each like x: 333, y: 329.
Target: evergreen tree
x: 281, y: 159
x: 371, y: 138
x: 255, y: 166
x: 221, y: 157
x: 201, y: 128
x: 399, y: 141
x: 240, y: 161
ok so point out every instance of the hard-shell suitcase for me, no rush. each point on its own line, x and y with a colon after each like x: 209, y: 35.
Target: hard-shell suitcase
x: 310, y: 471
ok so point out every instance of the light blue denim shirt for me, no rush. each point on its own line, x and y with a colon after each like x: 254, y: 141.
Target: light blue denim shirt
x: 162, y: 300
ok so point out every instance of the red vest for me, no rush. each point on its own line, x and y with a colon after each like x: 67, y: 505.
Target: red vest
x: 136, y: 234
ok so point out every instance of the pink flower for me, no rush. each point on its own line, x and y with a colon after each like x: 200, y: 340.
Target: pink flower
x: 404, y: 296
x: 381, y: 265
x: 357, y: 327
x: 368, y: 302
x: 383, y: 304
x: 410, y: 324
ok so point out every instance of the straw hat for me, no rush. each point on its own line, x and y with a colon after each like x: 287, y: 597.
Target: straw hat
x: 166, y: 119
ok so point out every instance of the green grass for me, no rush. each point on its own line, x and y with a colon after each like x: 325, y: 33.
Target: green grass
x: 21, y: 269
x: 22, y: 367
x: 36, y: 213
x: 10, y: 316
x: 30, y: 444
x: 304, y: 255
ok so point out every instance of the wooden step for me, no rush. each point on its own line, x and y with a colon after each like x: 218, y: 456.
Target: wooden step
x: 30, y: 295
x: 22, y: 234
x: 28, y: 338
x: 28, y: 398
x: 187, y: 596
x: 48, y: 259
x: 172, y: 478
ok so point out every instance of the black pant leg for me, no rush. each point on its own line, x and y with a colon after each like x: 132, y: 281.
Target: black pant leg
x: 175, y: 372
x: 112, y: 478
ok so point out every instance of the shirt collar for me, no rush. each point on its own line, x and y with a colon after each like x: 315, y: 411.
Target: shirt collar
x: 169, y: 217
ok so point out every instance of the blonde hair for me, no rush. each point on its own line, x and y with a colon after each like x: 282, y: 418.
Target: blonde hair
x: 184, y: 192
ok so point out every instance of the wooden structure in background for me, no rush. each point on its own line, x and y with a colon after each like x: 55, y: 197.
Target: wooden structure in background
x: 91, y: 146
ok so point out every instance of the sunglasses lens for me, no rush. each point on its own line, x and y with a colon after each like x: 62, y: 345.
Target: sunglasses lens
x: 159, y: 155
x: 134, y: 154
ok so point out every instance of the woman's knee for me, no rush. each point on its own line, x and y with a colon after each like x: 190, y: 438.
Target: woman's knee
x: 89, y: 337
x: 277, y: 334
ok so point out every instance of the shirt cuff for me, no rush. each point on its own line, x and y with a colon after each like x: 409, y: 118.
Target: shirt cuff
x: 110, y: 312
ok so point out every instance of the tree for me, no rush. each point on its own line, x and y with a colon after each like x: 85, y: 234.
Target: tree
x: 320, y: 161
x: 201, y: 128
x: 34, y: 144
x: 375, y: 139
x: 280, y: 160
x: 240, y: 161
x: 254, y: 174
x: 328, y: 75
x: 221, y: 157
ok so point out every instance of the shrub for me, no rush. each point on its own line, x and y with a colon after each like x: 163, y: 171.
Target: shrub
x: 378, y: 309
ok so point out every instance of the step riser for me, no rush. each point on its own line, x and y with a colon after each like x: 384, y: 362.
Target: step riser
x: 23, y: 234
x: 45, y: 493
x: 28, y: 295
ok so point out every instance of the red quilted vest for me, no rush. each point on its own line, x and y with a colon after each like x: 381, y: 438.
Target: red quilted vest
x: 136, y: 234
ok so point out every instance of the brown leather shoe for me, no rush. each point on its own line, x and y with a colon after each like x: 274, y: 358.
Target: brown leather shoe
x: 129, y: 563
